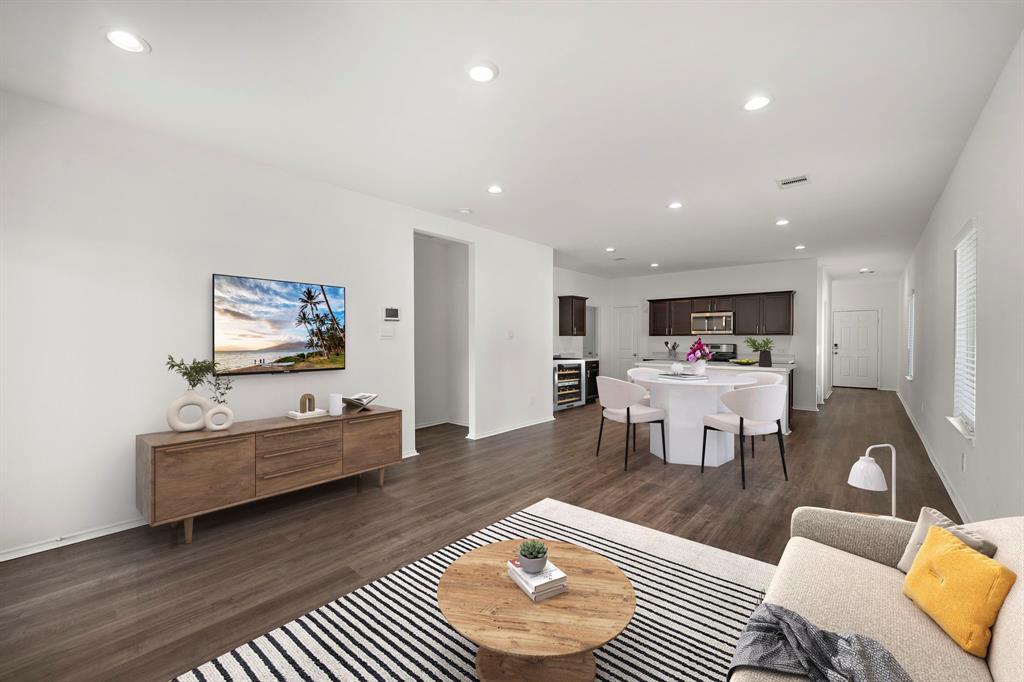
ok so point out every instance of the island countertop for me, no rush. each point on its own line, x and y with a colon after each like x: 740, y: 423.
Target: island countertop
x: 776, y: 367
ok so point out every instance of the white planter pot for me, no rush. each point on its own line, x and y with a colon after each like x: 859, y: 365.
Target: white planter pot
x: 222, y: 410
x: 700, y: 367
x: 190, y: 397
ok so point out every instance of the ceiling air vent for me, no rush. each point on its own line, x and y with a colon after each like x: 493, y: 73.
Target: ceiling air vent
x: 792, y: 182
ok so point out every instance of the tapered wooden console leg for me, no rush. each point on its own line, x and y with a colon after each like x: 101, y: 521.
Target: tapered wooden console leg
x: 188, y: 530
x: 380, y: 478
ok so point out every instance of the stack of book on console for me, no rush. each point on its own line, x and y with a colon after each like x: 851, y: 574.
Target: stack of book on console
x: 538, y: 586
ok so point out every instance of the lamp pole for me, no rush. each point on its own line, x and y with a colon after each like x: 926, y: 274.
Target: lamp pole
x: 892, y: 450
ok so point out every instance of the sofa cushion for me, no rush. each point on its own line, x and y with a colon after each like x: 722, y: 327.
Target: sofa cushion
x: 846, y: 593
x: 1005, y: 652
x: 931, y: 517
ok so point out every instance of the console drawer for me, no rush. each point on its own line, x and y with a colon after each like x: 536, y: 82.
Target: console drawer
x: 276, y: 462
x: 299, y: 475
x: 299, y: 437
x: 203, y: 476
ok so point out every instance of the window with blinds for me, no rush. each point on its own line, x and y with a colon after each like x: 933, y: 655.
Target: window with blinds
x: 965, y: 369
x: 910, y: 335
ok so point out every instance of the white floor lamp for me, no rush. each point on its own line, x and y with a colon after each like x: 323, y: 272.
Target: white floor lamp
x: 867, y: 475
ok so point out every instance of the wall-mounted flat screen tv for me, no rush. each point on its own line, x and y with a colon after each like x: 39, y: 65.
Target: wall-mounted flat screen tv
x: 264, y: 326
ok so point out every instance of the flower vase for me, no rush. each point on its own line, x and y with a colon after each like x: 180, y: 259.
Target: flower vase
x: 219, y: 410
x: 188, y: 398
x: 700, y: 367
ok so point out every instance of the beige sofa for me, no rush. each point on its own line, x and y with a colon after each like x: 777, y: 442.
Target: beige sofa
x: 838, y: 571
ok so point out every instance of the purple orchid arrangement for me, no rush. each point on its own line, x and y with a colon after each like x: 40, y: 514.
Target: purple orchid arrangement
x: 698, y: 351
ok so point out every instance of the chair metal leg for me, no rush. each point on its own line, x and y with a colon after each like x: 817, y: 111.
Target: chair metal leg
x: 703, y: 449
x: 625, y: 466
x: 634, y: 437
x: 664, y: 452
x: 752, y: 441
x: 600, y: 432
x: 743, y: 468
x: 782, y: 449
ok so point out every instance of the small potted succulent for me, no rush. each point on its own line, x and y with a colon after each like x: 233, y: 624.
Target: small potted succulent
x: 533, y: 556
x: 763, y: 347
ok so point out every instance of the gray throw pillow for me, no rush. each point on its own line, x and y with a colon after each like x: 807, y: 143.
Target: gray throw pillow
x: 928, y: 518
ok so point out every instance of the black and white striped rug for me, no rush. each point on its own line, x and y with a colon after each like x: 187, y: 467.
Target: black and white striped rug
x: 692, y: 603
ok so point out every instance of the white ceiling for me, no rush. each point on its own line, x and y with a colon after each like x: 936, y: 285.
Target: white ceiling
x: 603, y: 112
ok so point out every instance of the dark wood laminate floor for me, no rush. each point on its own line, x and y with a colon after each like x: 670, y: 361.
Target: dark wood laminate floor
x: 138, y: 606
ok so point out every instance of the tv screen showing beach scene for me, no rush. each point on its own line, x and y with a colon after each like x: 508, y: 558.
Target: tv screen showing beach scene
x: 262, y: 326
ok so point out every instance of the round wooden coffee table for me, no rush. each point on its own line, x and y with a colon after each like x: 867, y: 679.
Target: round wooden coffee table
x: 518, y: 639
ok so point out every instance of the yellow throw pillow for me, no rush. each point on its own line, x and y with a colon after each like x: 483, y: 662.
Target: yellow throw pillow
x: 960, y: 588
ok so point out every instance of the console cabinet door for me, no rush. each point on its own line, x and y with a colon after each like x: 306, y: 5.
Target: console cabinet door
x: 370, y: 442
x: 746, y: 315
x: 194, y: 478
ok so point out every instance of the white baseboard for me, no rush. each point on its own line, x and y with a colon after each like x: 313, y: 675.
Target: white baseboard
x: 478, y: 436
x: 42, y: 546
x: 410, y: 453
x: 946, y: 483
x: 438, y: 422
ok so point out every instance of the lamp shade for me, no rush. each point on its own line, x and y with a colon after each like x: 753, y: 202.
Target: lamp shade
x: 867, y: 475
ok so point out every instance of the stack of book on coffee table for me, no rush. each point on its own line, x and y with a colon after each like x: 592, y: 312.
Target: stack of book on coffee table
x: 537, y: 586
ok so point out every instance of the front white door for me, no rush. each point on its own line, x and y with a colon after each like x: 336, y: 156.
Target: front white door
x: 855, y: 348
x: 625, y: 324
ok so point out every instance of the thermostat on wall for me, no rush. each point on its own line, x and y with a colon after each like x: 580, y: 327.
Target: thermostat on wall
x: 391, y: 315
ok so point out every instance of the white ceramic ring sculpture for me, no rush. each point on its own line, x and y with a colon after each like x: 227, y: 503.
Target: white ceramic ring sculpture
x: 222, y: 410
x: 174, y: 419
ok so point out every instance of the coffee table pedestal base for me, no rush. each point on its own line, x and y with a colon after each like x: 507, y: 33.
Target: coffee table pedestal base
x: 492, y: 666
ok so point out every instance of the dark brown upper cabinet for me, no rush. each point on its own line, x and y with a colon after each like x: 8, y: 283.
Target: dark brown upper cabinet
x: 777, y: 313
x: 752, y: 314
x: 659, y: 319
x: 679, y: 317
x: 746, y: 315
x: 572, y: 315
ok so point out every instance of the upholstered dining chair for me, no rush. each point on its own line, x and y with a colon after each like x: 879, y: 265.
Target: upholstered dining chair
x: 754, y: 411
x: 620, y: 402
x: 641, y: 376
x: 760, y: 379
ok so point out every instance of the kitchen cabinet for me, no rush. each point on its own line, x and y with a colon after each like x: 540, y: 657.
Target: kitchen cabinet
x: 746, y: 315
x: 679, y: 317
x: 572, y: 315
x: 768, y: 313
x: 659, y: 319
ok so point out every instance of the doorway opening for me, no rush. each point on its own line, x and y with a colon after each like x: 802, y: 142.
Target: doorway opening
x: 442, y: 353
x: 590, y: 340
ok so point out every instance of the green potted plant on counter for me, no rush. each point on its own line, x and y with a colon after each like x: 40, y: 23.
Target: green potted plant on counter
x: 533, y: 556
x: 764, y: 349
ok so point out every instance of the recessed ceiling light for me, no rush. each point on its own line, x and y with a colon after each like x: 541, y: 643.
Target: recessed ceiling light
x: 129, y: 42
x: 495, y: 189
x: 675, y: 204
x: 756, y: 102
x: 866, y: 271
x: 483, y: 72
x: 610, y: 249
x: 782, y: 222
x: 799, y: 247
x: 654, y: 265
x: 464, y: 211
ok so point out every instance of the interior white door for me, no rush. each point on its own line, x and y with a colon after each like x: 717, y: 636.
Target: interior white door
x: 855, y: 348
x: 625, y: 325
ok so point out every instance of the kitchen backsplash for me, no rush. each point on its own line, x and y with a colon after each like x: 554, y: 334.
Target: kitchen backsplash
x: 656, y: 345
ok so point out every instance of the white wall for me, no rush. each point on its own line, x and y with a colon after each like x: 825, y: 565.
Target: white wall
x: 883, y: 296
x: 986, y: 186
x: 442, y: 331
x: 109, y: 237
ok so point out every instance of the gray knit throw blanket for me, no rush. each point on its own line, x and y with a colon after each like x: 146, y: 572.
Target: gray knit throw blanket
x: 779, y: 640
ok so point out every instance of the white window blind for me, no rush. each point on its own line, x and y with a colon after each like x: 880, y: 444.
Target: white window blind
x: 910, y: 335
x: 964, y: 377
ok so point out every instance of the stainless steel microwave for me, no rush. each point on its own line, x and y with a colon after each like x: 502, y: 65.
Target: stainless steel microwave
x: 710, y: 323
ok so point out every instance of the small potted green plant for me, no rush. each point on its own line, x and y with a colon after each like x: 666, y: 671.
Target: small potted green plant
x: 533, y: 556
x: 764, y: 349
